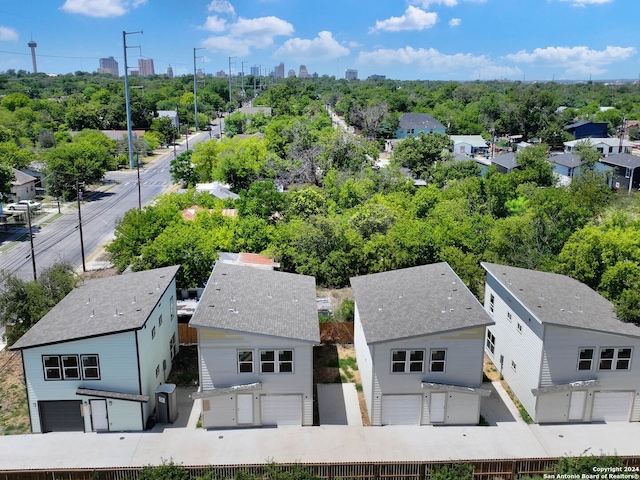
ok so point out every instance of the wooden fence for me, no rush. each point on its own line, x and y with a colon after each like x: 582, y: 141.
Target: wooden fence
x: 493, y: 469
x: 186, y: 334
x: 336, y: 332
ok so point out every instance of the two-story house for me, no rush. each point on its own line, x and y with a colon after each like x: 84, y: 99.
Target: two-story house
x: 94, y: 361
x: 411, y: 124
x: 419, y: 335
x: 256, y: 332
x: 560, y: 347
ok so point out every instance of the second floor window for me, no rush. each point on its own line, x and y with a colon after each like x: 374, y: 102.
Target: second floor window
x: 407, y: 361
x: 438, y: 360
x: 245, y: 361
x: 615, y: 358
x: 276, y: 361
x: 585, y: 359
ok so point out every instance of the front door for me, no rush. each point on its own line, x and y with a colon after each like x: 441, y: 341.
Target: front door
x: 245, y: 409
x: 437, y: 407
x: 99, y: 418
x: 576, y: 406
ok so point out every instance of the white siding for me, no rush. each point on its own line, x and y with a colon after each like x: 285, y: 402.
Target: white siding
x: 118, y: 372
x: 365, y: 362
x: 463, y: 368
x: 219, y: 361
x: 522, y: 346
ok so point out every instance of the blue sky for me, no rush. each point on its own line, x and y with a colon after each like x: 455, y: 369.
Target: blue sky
x: 402, y: 39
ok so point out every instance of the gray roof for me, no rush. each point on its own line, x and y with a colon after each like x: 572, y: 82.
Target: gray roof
x: 222, y: 192
x: 560, y: 300
x: 506, y: 160
x: 622, y: 160
x: 419, y: 121
x: 22, y: 178
x: 263, y: 302
x: 570, y: 160
x: 415, y: 301
x: 101, y: 307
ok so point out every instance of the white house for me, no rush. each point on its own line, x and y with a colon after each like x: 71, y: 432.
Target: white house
x: 256, y: 332
x: 94, y: 361
x: 469, y: 145
x: 560, y: 347
x: 419, y: 335
x: 606, y: 146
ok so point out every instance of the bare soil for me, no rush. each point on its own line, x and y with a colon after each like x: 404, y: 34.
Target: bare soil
x: 14, y: 413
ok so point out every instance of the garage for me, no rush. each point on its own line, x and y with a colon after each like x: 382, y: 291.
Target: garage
x: 281, y: 410
x: 61, y: 416
x: 611, y: 406
x: 401, y: 409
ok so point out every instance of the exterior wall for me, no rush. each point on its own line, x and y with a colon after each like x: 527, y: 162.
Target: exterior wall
x: 411, y: 132
x: 561, y: 170
x: 595, y: 130
x: 521, y: 346
x: 463, y: 148
x: 118, y: 372
x: 463, y: 367
x: 365, y: 361
x: 219, y: 368
x: 560, y: 366
x: 154, y: 352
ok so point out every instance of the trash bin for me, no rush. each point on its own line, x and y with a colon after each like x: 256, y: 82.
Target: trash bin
x: 166, y: 403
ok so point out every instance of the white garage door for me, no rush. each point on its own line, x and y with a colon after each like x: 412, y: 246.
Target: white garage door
x: 401, y: 409
x: 611, y: 406
x: 281, y: 410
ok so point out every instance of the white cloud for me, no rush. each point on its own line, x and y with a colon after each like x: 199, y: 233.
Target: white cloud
x: 428, y: 3
x: 101, y: 8
x: 413, y: 19
x: 454, y: 22
x: 214, y: 24
x: 246, y: 34
x: 574, y: 60
x: 434, y: 62
x: 323, y: 47
x: 221, y: 6
x: 8, y: 34
x: 584, y: 3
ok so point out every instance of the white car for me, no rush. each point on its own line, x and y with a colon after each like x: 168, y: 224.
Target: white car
x: 24, y: 205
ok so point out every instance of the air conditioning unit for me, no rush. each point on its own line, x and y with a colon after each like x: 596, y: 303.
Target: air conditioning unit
x: 617, y: 184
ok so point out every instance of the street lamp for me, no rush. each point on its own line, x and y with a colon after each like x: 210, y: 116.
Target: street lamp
x: 195, y: 86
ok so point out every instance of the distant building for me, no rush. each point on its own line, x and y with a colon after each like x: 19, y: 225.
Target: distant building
x: 350, y: 74
x: 255, y: 70
x: 291, y: 73
x: 377, y: 77
x: 304, y: 73
x: 199, y: 73
x: 221, y: 74
x: 145, y: 67
x: 109, y: 65
x: 32, y: 45
x: 278, y: 72
x: 169, y: 72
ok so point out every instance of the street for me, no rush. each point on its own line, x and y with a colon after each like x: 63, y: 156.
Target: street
x: 60, y: 240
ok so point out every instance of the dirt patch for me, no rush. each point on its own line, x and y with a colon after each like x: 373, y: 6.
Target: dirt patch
x: 105, y: 272
x: 490, y: 371
x: 14, y: 412
x: 336, y: 295
x: 337, y: 364
x: 184, y: 371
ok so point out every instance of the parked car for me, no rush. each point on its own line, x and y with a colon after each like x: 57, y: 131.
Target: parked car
x: 24, y: 205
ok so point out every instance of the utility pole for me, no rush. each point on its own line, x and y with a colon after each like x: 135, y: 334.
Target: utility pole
x: 33, y: 253
x: 195, y: 86
x: 84, y: 266
x: 230, y: 90
x: 243, y: 93
x: 128, y: 100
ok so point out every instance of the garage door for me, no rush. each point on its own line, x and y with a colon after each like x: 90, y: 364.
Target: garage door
x: 61, y: 416
x: 401, y: 409
x: 611, y: 406
x: 281, y: 410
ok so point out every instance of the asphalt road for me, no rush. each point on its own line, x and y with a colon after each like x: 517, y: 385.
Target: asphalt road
x: 60, y: 240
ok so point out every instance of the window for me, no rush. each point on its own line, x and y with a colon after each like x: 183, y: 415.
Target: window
x: 153, y: 332
x: 585, y: 359
x: 70, y: 367
x: 491, y: 341
x: 160, y: 321
x: 172, y: 307
x: 245, y: 361
x: 276, y: 361
x: 172, y: 346
x: 614, y: 358
x: 492, y: 302
x: 437, y: 360
x: 627, y: 173
x: 51, y: 366
x: 164, y: 365
x: 404, y: 361
x: 90, y: 367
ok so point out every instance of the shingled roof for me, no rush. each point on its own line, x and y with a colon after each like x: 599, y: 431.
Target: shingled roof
x: 415, y: 301
x: 560, y: 300
x: 101, y: 307
x: 419, y: 121
x: 264, y: 302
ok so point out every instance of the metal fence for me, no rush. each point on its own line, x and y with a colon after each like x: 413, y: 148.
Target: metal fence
x: 493, y: 469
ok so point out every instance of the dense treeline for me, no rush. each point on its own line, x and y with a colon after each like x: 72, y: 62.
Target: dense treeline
x: 314, y: 198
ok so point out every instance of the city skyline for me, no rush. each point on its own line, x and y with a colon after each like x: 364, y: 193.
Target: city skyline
x: 418, y: 39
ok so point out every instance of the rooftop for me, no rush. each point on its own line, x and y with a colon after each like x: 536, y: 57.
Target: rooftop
x: 264, y: 302
x: 560, y: 300
x: 415, y: 301
x: 100, y: 307
x: 419, y: 121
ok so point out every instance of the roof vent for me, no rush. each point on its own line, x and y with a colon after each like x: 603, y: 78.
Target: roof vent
x: 444, y: 311
x: 88, y: 300
x: 451, y: 310
x: 233, y: 310
x: 211, y: 305
x: 93, y: 313
x: 134, y: 299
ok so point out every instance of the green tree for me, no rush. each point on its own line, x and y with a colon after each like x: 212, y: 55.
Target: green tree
x: 182, y: 171
x: 419, y: 153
